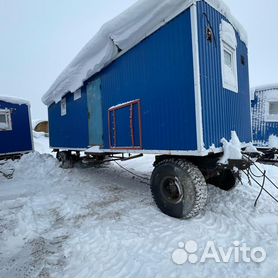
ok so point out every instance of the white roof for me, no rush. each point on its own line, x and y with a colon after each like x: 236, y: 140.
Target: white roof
x: 14, y: 100
x: 124, y: 32
x: 263, y: 88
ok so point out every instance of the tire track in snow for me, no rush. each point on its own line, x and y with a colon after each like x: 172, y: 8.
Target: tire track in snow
x: 114, y: 228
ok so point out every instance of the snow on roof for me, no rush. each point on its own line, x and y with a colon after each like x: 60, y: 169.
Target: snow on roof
x: 124, y: 32
x: 263, y: 88
x: 14, y: 100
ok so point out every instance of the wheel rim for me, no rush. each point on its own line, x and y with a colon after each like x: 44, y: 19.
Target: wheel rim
x: 171, y: 189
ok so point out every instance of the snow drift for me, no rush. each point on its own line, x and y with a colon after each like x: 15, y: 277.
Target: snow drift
x: 102, y: 222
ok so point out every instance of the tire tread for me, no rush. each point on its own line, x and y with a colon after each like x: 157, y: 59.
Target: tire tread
x: 198, y: 181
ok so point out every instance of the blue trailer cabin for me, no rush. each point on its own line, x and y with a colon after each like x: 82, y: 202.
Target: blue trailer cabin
x: 264, y: 103
x: 171, y: 84
x: 15, y: 127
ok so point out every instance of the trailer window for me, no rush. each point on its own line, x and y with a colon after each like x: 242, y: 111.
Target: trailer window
x: 228, y: 56
x: 5, y: 120
x: 271, y: 111
x: 63, y: 106
x: 273, y: 108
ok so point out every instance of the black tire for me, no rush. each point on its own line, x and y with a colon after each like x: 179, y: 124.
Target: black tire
x: 226, y: 180
x: 178, y: 188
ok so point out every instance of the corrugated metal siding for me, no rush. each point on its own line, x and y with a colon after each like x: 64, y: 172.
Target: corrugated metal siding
x: 262, y: 129
x: 159, y: 72
x: 19, y: 138
x: 222, y: 110
x: 71, y: 130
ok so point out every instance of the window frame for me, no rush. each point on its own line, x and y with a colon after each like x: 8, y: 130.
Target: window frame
x: 225, y: 46
x: 230, y: 58
x: 63, y: 106
x: 270, y: 117
x: 228, y: 43
x: 275, y: 103
x: 8, y: 117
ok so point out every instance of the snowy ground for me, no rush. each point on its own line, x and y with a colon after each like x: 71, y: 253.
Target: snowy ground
x: 102, y: 222
x: 41, y: 142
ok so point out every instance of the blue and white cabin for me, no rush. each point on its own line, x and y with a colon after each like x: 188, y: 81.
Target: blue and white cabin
x: 264, y: 102
x: 164, y: 77
x: 15, y: 127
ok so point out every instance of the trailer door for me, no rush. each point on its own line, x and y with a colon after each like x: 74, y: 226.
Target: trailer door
x: 95, y: 113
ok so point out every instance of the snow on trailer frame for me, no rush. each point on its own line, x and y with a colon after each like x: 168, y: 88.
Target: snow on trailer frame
x: 175, y: 92
x: 15, y: 127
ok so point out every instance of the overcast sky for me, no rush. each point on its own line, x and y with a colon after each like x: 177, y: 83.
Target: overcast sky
x: 39, y: 38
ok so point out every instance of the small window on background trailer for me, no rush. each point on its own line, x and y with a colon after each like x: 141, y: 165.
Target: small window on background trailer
x: 63, y: 106
x: 5, y: 120
x: 273, y: 108
x: 271, y: 114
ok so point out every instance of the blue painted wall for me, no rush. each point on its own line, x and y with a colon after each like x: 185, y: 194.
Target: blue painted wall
x: 159, y: 72
x: 262, y: 129
x: 222, y: 110
x: 19, y: 138
x: 71, y: 130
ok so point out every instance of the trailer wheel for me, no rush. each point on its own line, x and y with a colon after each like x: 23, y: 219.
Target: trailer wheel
x: 178, y: 188
x: 225, y: 181
x: 66, y: 159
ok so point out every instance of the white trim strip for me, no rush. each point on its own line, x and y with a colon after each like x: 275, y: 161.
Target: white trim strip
x: 204, y: 152
x: 11, y: 153
x: 68, y: 149
x: 31, y: 127
x: 91, y: 150
x: 160, y: 152
x: 197, y: 86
